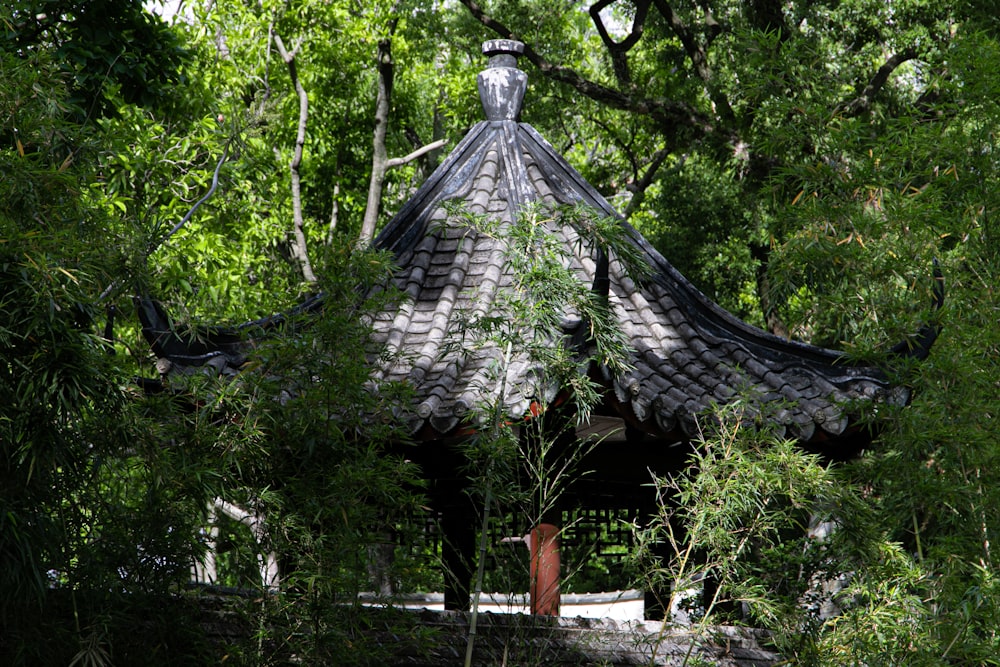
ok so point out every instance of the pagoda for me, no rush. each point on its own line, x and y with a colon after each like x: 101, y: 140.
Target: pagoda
x: 686, y: 354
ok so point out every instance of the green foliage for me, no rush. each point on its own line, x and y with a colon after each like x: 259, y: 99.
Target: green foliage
x: 704, y: 123
x: 543, y: 329
x: 327, y: 471
x: 106, y: 50
x: 922, y: 186
x: 789, y: 187
x: 528, y: 319
x: 748, y: 521
x: 108, y: 489
x: 698, y: 217
x: 95, y: 507
x: 336, y: 65
x: 860, y: 223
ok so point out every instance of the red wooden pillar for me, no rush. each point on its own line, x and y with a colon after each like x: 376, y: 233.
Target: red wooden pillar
x: 544, y: 544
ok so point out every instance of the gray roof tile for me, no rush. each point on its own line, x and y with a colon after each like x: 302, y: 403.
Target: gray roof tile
x: 689, y: 353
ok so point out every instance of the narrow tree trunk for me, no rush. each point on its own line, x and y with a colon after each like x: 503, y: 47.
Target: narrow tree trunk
x: 379, y: 155
x: 300, y: 249
x: 334, y: 214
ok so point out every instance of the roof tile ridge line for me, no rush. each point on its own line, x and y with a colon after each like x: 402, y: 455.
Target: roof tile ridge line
x: 835, y: 364
x: 601, y: 283
x: 445, y: 306
x: 398, y: 226
x: 592, y: 196
x: 516, y: 175
x: 812, y: 356
x: 722, y: 322
x: 482, y: 302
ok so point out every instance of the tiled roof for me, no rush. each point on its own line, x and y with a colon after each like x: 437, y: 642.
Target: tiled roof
x: 687, y: 352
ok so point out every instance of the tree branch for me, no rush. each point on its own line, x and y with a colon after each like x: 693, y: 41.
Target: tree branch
x: 863, y: 102
x: 399, y: 161
x: 379, y: 157
x: 380, y: 161
x: 619, y: 50
x: 154, y: 246
x: 334, y: 214
x: 266, y: 562
x: 187, y: 216
x: 299, y: 248
x: 698, y: 54
x: 640, y: 186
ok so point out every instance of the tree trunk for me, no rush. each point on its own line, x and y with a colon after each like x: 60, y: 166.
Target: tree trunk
x: 300, y: 249
x: 379, y: 156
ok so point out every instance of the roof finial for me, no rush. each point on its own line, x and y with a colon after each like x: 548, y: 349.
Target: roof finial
x: 502, y: 84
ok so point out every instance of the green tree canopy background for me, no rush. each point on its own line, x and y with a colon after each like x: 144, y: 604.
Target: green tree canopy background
x: 804, y: 163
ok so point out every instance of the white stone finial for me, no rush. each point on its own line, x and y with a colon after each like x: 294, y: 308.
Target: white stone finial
x: 502, y: 84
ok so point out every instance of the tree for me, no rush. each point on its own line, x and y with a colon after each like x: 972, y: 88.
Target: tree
x: 106, y: 489
x: 94, y: 45
x: 338, y: 67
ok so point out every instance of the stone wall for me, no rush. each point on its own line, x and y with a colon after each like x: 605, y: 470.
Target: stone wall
x: 515, y: 639
x: 425, y: 638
